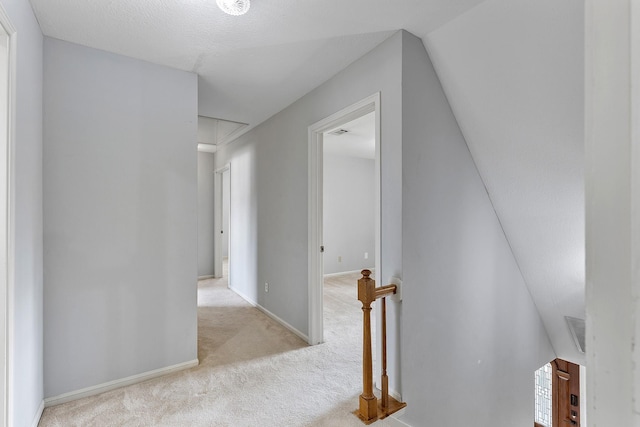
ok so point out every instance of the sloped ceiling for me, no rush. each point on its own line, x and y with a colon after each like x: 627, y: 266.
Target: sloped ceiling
x: 512, y: 70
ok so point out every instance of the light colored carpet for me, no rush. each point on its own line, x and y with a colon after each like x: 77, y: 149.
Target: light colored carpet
x: 252, y: 372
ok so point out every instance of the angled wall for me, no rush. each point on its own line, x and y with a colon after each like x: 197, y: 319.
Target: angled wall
x: 472, y: 337
x: 120, y: 205
x: 26, y: 391
x: 269, y: 179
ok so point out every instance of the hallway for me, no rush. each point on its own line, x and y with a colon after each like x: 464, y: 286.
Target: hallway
x: 252, y: 372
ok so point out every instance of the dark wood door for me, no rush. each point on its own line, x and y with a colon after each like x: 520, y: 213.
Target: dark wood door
x: 566, y: 393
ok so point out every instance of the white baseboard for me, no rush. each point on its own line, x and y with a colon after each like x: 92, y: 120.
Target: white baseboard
x: 283, y: 323
x: 112, y: 385
x: 392, y: 421
x: 340, y: 273
x: 271, y: 315
x: 393, y: 393
x: 36, y: 419
x: 211, y: 276
x: 397, y: 396
x: 243, y: 296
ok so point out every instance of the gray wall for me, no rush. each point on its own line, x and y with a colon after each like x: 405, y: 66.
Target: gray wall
x: 472, y: 337
x: 348, y: 213
x: 206, y: 166
x: 466, y: 308
x: 27, y: 393
x: 120, y: 205
x: 269, y: 220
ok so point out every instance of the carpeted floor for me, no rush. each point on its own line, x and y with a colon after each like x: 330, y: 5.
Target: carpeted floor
x: 252, y: 372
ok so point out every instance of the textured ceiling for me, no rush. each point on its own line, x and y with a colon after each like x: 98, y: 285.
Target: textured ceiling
x: 251, y: 66
x: 512, y: 70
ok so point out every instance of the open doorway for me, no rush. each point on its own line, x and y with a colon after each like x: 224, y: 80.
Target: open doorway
x: 348, y: 219
x: 222, y: 192
x: 365, y: 110
x: 560, y: 395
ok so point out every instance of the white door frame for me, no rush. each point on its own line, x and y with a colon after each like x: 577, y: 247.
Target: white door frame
x: 7, y: 227
x: 612, y: 214
x: 359, y: 109
x: 217, y: 219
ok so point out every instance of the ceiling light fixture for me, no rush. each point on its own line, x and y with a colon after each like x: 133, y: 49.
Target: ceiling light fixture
x: 234, y: 7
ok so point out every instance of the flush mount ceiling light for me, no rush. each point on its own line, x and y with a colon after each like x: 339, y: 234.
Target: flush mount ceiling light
x: 234, y: 7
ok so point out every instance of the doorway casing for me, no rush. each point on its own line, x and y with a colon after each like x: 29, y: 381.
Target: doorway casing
x: 217, y: 220
x: 315, y: 168
x: 7, y: 224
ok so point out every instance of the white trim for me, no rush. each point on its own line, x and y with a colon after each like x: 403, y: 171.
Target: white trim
x: 211, y: 276
x: 392, y: 421
x: 283, y: 323
x: 315, y: 131
x: 112, y: 385
x: 612, y: 231
x: 207, y: 148
x: 8, y: 281
x: 271, y: 315
x: 36, y: 419
x: 394, y: 393
x: 217, y: 220
x: 340, y: 273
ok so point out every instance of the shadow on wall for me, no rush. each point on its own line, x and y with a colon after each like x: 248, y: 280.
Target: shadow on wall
x: 243, y: 225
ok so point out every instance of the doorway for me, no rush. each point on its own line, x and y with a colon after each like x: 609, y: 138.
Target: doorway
x: 348, y: 197
x: 316, y: 169
x: 222, y: 220
x: 559, y: 395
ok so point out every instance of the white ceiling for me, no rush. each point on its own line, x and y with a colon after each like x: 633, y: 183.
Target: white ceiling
x: 359, y: 141
x: 512, y: 70
x: 251, y: 66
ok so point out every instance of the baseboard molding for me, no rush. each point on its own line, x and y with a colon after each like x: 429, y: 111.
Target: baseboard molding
x: 305, y: 337
x: 397, y: 396
x: 271, y: 315
x: 243, y: 296
x: 36, y: 419
x: 112, y: 385
x: 211, y: 276
x: 392, y: 392
x: 340, y: 273
x: 392, y: 421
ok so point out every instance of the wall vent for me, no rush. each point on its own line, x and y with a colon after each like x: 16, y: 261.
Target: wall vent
x: 577, y: 328
x: 338, y: 132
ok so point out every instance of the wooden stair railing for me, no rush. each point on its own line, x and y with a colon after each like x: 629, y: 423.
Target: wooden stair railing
x: 372, y: 409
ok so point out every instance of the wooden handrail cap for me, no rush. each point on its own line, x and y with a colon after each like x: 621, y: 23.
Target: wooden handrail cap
x: 366, y: 273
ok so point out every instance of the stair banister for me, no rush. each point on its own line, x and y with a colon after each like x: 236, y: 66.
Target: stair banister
x: 370, y: 408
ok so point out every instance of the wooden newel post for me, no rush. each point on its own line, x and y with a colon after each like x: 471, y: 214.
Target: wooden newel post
x: 370, y: 409
x: 367, y: 295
